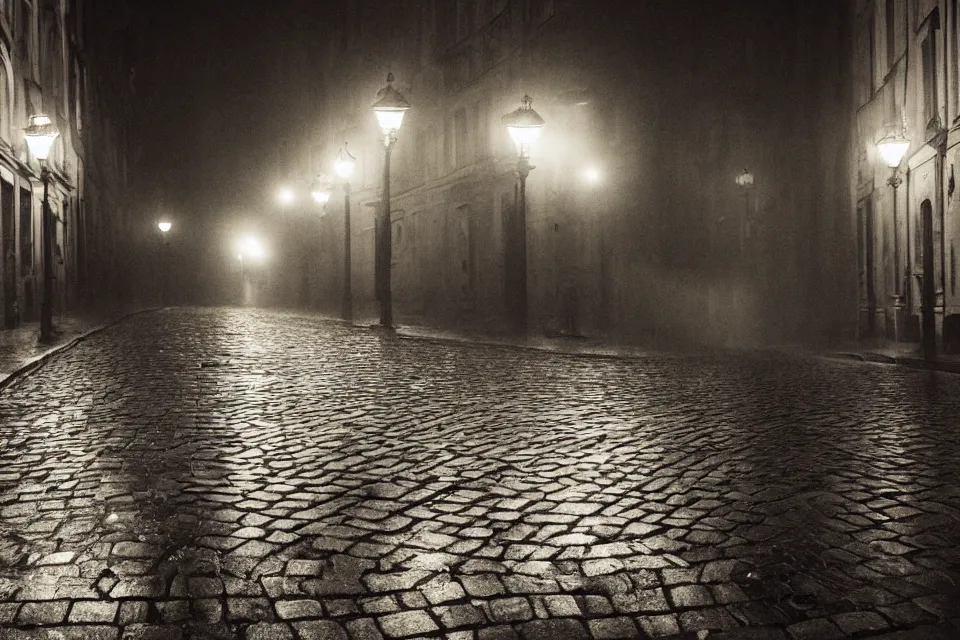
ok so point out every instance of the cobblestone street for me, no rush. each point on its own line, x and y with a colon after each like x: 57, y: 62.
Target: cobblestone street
x: 238, y: 473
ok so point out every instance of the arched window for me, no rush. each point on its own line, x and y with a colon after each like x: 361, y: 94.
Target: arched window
x: 51, y: 65
x: 6, y: 95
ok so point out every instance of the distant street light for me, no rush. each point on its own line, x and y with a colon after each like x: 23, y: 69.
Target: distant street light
x: 252, y: 249
x: 164, y: 227
x: 286, y: 195
x: 320, y: 190
x: 389, y: 109
x: 893, y: 147
x: 343, y: 166
x: 745, y: 181
x: 250, y: 252
x: 524, y: 126
x: 40, y: 135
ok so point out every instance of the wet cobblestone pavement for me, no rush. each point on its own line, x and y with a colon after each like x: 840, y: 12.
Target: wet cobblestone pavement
x: 267, y: 476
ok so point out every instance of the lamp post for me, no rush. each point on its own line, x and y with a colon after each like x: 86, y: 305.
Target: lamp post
x: 164, y: 227
x: 745, y: 181
x: 524, y: 126
x: 40, y: 135
x: 893, y: 147
x: 389, y: 109
x: 344, y: 165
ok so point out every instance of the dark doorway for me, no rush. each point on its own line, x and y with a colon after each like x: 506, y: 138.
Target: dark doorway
x: 8, y: 231
x: 928, y: 323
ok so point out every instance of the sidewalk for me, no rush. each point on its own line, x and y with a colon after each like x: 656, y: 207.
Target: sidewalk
x: 20, y: 347
x: 904, y: 354
x: 907, y: 354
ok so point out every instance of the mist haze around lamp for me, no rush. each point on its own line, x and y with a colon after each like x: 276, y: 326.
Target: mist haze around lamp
x: 592, y: 175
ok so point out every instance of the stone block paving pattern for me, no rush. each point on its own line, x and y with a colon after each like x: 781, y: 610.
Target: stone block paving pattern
x: 238, y: 473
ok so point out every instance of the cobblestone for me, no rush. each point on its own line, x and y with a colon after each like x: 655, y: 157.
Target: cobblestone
x: 230, y: 473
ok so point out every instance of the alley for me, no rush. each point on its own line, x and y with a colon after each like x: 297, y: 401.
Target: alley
x: 239, y: 473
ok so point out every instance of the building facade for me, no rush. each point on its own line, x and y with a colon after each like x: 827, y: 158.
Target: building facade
x: 636, y: 227
x: 46, y: 68
x: 908, y: 84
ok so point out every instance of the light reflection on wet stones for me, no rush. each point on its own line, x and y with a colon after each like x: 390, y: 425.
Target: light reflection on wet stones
x: 272, y: 467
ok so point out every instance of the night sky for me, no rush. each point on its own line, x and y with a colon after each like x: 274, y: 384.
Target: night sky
x: 218, y: 81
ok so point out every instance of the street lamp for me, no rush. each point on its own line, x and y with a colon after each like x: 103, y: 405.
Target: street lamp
x: 745, y: 182
x: 250, y: 252
x: 40, y: 135
x: 893, y: 147
x: 320, y: 190
x: 524, y: 126
x: 389, y: 109
x: 286, y: 195
x: 343, y: 166
x: 592, y: 175
x: 164, y: 227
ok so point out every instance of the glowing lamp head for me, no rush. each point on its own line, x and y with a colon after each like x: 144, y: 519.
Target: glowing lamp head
x: 524, y: 126
x: 320, y: 196
x: 893, y: 147
x: 286, y: 195
x: 40, y: 136
x: 745, y: 179
x: 389, y: 108
x: 164, y: 226
x: 344, y: 163
x: 320, y: 190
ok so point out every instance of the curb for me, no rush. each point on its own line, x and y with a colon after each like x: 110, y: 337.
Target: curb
x: 36, y: 362
x: 911, y: 362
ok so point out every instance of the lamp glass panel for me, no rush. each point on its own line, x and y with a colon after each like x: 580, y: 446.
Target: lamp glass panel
x: 389, y: 119
x: 40, y: 145
x: 344, y: 168
x: 524, y: 137
x: 164, y: 226
x: 893, y: 151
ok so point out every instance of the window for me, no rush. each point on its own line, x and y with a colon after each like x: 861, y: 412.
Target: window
x: 446, y: 24
x: 954, y: 48
x: 891, y: 21
x: 26, y: 230
x: 929, y: 55
x: 465, y: 10
x: 25, y: 36
x: 864, y: 75
x: 460, y: 133
x: 5, y: 101
x: 481, y: 128
x: 79, y: 89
